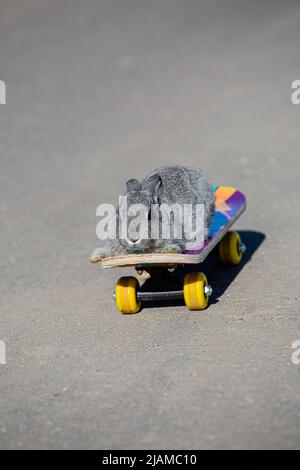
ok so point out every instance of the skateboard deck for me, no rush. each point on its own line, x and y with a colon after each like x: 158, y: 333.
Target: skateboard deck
x: 230, y: 204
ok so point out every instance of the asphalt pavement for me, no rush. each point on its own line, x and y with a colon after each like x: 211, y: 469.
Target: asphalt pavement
x: 101, y: 91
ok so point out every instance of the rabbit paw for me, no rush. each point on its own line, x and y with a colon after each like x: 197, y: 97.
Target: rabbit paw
x: 172, y: 248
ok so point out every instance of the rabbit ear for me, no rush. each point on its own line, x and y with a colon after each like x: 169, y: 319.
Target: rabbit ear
x: 132, y: 185
x: 153, y: 186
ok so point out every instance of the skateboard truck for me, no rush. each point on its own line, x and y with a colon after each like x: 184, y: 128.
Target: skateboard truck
x: 142, y: 296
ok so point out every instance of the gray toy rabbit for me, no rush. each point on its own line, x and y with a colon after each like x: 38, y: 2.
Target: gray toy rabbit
x: 163, y: 187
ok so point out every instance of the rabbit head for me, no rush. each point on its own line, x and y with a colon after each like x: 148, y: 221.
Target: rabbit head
x: 137, y: 205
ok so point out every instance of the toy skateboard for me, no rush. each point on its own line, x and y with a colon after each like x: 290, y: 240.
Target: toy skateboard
x: 230, y: 204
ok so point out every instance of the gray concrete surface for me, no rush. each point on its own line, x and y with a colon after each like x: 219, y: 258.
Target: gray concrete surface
x: 99, y: 91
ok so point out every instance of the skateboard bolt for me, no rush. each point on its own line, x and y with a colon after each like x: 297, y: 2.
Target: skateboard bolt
x: 208, y: 290
x: 242, y: 247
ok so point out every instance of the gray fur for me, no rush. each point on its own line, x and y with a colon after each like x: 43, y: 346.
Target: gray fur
x: 164, y: 185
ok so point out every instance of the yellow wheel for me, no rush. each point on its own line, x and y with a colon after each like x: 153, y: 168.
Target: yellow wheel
x: 231, y: 248
x: 125, y: 294
x: 196, y: 291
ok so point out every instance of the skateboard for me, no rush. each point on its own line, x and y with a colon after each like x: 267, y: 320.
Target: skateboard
x: 229, y: 205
